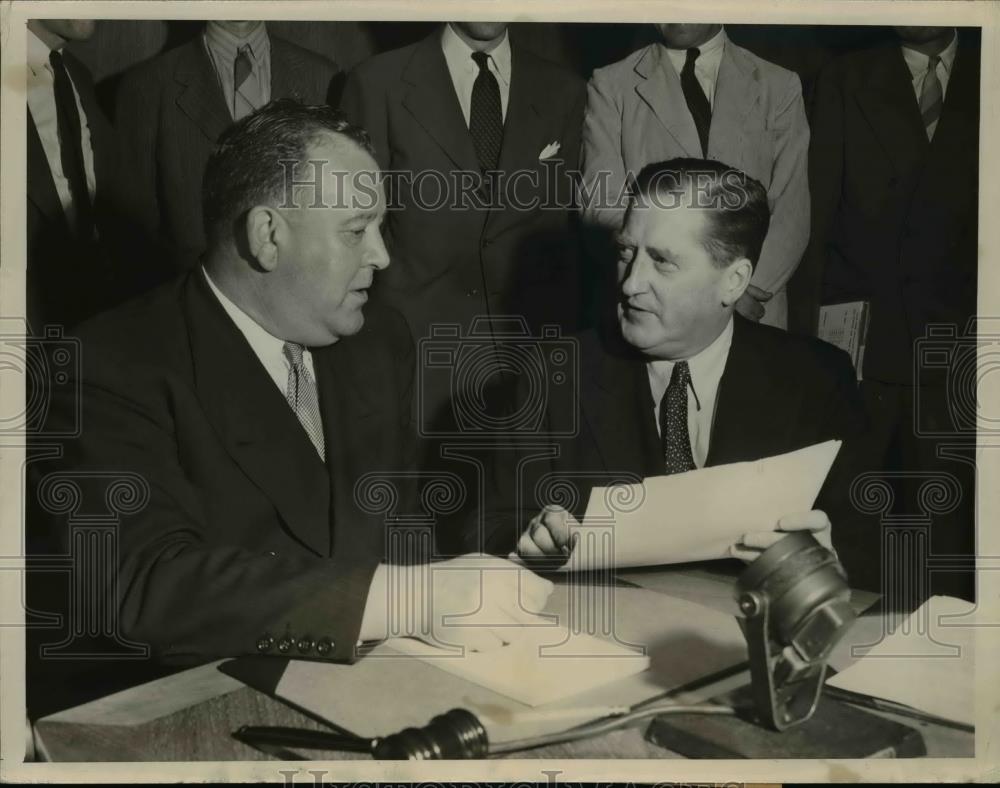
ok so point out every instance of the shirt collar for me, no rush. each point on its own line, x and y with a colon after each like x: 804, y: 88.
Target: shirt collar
x: 36, y: 52
x: 917, y: 62
x: 260, y: 340
x: 709, y: 54
x: 227, y: 44
x: 706, y: 366
x: 459, y: 54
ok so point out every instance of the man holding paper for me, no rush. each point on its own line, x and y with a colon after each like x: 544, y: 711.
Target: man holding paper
x: 675, y: 381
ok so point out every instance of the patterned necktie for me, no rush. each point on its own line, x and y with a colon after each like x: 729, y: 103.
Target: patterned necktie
x: 697, y: 101
x: 71, y: 146
x: 674, y: 436
x: 931, y: 97
x: 486, y: 116
x: 300, y: 392
x: 242, y: 67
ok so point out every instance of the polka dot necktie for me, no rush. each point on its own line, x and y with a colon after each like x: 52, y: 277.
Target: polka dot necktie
x: 674, y: 436
x: 300, y: 391
x: 485, y: 115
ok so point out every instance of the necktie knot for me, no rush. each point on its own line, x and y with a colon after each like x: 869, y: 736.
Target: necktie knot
x: 55, y: 58
x: 680, y: 375
x: 692, y: 56
x: 932, y: 62
x: 482, y: 60
x: 294, y: 352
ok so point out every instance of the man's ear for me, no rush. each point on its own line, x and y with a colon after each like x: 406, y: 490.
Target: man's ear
x: 736, y: 280
x: 263, y: 229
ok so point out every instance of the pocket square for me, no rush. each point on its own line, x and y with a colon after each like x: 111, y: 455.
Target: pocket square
x: 549, y: 151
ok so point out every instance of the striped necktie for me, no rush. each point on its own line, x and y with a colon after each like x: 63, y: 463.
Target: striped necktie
x: 300, y: 392
x: 931, y: 97
x: 242, y: 68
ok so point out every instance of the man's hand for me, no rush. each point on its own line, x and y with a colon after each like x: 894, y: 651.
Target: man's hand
x: 752, y: 545
x: 548, y: 534
x: 751, y: 303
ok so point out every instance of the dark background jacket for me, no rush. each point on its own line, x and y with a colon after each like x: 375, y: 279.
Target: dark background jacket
x: 169, y: 112
x: 451, y: 266
x: 895, y: 216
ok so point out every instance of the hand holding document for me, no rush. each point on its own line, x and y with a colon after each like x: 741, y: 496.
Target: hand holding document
x: 698, y: 515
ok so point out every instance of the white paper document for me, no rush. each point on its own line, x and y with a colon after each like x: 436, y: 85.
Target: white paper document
x: 926, y: 663
x: 696, y: 516
x: 543, y: 665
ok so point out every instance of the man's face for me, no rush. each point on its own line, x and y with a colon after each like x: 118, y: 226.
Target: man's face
x: 329, y: 255
x: 672, y: 298
x: 70, y: 29
x: 686, y: 36
x: 921, y: 35
x: 483, y: 32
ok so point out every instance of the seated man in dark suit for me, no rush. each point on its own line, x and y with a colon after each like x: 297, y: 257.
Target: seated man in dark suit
x: 242, y: 402
x: 676, y: 380
x: 171, y: 109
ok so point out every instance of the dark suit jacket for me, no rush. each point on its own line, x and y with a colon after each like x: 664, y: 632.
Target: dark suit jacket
x: 452, y: 265
x: 169, y: 112
x: 895, y: 217
x: 779, y: 392
x: 246, y: 532
x: 67, y: 279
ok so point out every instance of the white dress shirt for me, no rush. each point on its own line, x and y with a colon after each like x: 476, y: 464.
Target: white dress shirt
x: 706, y: 67
x: 918, y: 63
x: 42, y: 106
x: 706, y: 370
x: 222, y: 47
x: 268, y: 348
x: 463, y: 69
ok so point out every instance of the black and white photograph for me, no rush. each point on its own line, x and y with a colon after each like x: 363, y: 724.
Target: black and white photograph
x: 570, y: 392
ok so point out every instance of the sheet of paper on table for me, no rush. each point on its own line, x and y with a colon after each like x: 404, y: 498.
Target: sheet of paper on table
x: 926, y: 663
x: 696, y: 516
x: 676, y: 642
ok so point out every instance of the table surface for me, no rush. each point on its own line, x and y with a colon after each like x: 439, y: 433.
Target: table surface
x: 191, y: 715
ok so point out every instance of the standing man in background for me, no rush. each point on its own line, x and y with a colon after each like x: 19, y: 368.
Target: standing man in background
x: 700, y: 95
x: 463, y: 102
x: 171, y: 109
x: 69, y: 166
x: 894, y: 169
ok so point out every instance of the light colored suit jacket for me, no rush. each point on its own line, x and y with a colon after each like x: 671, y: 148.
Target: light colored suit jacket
x: 636, y: 115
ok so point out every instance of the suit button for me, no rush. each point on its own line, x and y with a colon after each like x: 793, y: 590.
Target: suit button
x: 324, y: 646
x: 305, y: 644
x: 486, y: 242
x: 265, y: 643
x: 272, y: 553
x: 285, y: 645
x: 472, y: 293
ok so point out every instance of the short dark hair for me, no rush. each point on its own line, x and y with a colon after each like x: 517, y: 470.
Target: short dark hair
x: 245, y: 168
x: 738, y: 211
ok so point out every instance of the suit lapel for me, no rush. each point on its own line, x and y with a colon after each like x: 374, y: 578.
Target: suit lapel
x: 737, y: 92
x: 433, y: 103
x: 347, y: 383
x: 749, y: 419
x: 285, y: 77
x: 889, y: 104
x: 614, y: 388
x: 660, y: 88
x: 256, y: 426
x: 200, y: 96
